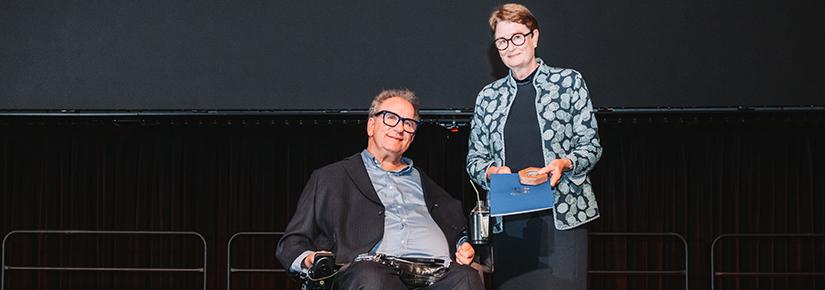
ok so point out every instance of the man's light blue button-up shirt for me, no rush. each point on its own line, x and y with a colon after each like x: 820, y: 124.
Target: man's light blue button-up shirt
x: 409, y: 230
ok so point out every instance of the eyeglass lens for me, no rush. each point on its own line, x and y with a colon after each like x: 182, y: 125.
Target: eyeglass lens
x: 392, y: 119
x: 517, y: 39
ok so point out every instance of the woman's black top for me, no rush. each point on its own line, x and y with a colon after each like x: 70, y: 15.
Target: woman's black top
x: 522, y: 135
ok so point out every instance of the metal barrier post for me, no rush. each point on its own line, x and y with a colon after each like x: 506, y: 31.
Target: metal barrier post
x: 125, y: 269
x: 713, y: 272
x: 683, y: 272
x: 230, y: 270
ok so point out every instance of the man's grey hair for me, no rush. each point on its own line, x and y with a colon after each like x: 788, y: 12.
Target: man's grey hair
x: 400, y: 93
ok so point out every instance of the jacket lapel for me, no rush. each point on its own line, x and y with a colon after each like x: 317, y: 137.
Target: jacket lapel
x: 429, y: 187
x: 358, y: 173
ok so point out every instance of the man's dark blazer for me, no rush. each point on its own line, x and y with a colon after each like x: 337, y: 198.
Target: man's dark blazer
x: 339, y: 211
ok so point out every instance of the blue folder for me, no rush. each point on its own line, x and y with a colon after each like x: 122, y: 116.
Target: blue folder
x: 508, y: 196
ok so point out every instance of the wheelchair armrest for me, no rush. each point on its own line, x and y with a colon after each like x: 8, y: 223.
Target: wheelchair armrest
x: 321, y: 276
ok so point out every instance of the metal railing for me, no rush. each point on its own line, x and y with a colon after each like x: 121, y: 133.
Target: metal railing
x: 230, y: 269
x: 99, y: 269
x: 714, y: 274
x: 682, y: 272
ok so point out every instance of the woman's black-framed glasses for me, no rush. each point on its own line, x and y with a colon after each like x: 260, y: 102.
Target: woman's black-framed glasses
x: 392, y: 119
x: 517, y: 39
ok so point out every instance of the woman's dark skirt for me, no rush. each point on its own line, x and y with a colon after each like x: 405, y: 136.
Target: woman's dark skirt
x: 532, y: 254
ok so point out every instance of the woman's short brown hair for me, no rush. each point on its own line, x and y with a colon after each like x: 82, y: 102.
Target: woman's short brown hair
x: 513, y: 12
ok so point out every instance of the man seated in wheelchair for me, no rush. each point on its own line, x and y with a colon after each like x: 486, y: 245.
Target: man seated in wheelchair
x: 387, y: 223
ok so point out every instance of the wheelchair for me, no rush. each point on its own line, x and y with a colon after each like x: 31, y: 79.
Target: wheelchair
x: 323, y: 273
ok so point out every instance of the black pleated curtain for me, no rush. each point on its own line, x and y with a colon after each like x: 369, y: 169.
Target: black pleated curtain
x: 705, y: 175
x: 699, y: 175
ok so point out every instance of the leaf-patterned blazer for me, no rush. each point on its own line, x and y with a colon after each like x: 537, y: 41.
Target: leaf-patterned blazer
x: 568, y: 127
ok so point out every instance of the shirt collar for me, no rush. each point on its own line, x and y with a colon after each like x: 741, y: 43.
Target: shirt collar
x: 512, y: 80
x: 372, y: 162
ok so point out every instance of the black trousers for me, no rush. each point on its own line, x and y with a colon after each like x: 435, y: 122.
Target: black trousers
x: 367, y: 275
x: 532, y: 254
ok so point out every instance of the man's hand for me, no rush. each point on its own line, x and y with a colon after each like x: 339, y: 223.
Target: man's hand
x: 464, y: 254
x: 310, y: 259
x: 555, y: 169
x: 497, y: 170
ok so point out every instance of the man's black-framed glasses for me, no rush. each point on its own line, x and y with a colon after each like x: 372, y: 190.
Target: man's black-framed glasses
x: 517, y: 39
x: 392, y: 119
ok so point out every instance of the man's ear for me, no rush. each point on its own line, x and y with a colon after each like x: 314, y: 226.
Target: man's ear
x: 370, y: 127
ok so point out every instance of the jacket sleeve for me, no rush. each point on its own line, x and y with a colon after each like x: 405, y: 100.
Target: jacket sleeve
x: 479, y: 158
x: 302, y: 228
x: 586, y: 148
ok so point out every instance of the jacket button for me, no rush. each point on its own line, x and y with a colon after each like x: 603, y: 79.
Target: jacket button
x: 380, y: 212
x: 435, y: 204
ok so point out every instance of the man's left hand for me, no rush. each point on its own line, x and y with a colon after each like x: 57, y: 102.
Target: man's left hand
x: 556, y: 168
x: 465, y: 253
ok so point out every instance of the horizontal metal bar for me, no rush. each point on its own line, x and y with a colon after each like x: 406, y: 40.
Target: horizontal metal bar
x: 783, y: 235
x: 181, y: 113
x: 255, y: 234
x: 772, y: 274
x: 357, y: 112
x: 217, y: 113
x: 69, y: 232
x: 256, y: 270
x: 106, y: 269
x: 645, y: 234
x: 600, y: 272
x: 710, y: 109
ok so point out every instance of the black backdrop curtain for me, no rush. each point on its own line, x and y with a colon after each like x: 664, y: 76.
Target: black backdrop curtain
x: 696, y: 174
x: 704, y: 175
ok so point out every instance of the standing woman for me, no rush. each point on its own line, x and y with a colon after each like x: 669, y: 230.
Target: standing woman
x: 536, y: 116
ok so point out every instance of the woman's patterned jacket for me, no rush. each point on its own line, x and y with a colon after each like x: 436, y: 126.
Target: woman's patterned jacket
x: 568, y: 129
